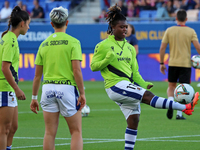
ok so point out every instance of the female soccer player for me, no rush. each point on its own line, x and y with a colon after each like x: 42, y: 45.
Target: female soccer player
x: 116, y: 59
x: 130, y: 37
x: 58, y: 59
x: 9, y: 62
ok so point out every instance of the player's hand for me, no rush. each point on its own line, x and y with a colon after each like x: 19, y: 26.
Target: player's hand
x: 34, y: 106
x: 149, y: 86
x: 163, y: 69
x: 20, y: 94
x: 81, y: 101
x: 110, y: 55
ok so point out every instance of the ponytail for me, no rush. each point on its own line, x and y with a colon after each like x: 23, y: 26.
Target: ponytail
x: 17, y: 15
x: 6, y: 30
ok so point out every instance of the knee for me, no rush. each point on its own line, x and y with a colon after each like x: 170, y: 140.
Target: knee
x: 5, y: 129
x: 75, y: 130
x: 147, y: 97
x: 13, y: 128
x: 133, y: 122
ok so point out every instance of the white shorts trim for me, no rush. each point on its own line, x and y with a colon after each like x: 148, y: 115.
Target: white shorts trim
x: 128, y: 96
x: 60, y: 98
x: 8, y: 99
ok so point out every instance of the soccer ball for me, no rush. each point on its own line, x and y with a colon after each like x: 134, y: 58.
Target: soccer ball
x: 184, y: 93
x: 195, y: 60
x: 85, y: 111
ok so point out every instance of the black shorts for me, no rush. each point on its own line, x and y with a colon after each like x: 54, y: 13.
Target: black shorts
x: 179, y: 74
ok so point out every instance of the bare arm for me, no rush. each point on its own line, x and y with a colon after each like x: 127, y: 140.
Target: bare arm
x: 162, y: 54
x: 197, y: 46
x: 79, y: 81
x: 136, y: 49
x: 9, y: 77
x: 37, y: 79
x: 36, y: 84
x: 39, y: 15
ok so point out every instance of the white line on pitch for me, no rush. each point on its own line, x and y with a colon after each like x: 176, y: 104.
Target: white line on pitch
x: 111, y: 140
x: 24, y: 112
x: 69, y: 144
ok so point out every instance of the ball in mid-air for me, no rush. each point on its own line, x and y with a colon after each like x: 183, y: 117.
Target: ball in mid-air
x: 195, y: 61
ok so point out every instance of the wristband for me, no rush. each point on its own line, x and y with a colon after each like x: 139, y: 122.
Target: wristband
x: 161, y: 63
x: 34, y: 97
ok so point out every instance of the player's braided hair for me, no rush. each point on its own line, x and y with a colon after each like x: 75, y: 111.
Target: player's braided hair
x: 114, y: 15
x: 16, y: 17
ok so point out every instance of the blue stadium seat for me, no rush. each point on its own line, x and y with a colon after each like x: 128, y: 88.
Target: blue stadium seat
x: 145, y: 15
x: 65, y: 4
x: 1, y: 5
x: 52, y: 5
x: 153, y: 14
x: 29, y: 5
x: 12, y: 1
x: 46, y: 15
x: 199, y: 16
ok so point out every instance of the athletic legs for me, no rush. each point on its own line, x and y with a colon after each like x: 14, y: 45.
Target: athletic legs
x: 6, y: 118
x: 131, y: 131
x: 51, y: 125
x: 14, y: 127
x: 75, y: 127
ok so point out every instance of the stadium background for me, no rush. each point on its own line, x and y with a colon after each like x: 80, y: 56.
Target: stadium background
x: 104, y: 128
x: 148, y: 32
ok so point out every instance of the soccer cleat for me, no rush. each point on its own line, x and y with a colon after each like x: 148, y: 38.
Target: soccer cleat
x: 170, y: 113
x: 190, y: 107
x: 180, y: 117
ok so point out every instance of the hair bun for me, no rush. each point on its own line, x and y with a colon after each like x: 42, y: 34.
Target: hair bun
x: 17, y: 9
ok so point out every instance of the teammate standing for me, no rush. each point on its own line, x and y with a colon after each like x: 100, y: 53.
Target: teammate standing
x: 116, y: 59
x: 179, y: 38
x: 130, y: 37
x: 9, y: 90
x: 58, y: 59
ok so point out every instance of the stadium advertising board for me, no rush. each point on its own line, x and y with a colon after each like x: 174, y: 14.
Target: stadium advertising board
x: 149, y: 36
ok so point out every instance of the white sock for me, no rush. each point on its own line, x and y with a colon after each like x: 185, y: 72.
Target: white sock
x: 9, y: 147
x: 130, y: 139
x: 179, y: 113
x: 171, y: 98
x: 163, y: 103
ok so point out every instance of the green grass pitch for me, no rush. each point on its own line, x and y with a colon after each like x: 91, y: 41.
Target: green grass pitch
x: 104, y: 128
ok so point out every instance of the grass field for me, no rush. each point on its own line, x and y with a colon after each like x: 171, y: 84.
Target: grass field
x: 104, y: 128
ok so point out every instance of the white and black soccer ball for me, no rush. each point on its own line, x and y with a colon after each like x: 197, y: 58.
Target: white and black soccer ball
x: 184, y: 93
x: 195, y: 61
x: 85, y: 111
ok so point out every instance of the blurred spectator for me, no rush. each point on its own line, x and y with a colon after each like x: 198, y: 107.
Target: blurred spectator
x: 136, y: 5
x: 183, y: 4
x: 176, y: 7
x: 24, y: 7
x: 147, y: 5
x: 191, y: 4
x: 5, y: 12
x: 102, y: 17
x: 19, y: 3
x: 123, y: 7
x: 131, y: 38
x: 130, y: 10
x: 161, y: 10
x: 38, y: 11
x: 169, y: 7
x: 105, y: 4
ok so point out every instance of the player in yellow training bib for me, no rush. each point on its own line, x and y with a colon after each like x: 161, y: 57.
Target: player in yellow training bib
x: 116, y: 59
x: 9, y: 62
x: 58, y: 59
